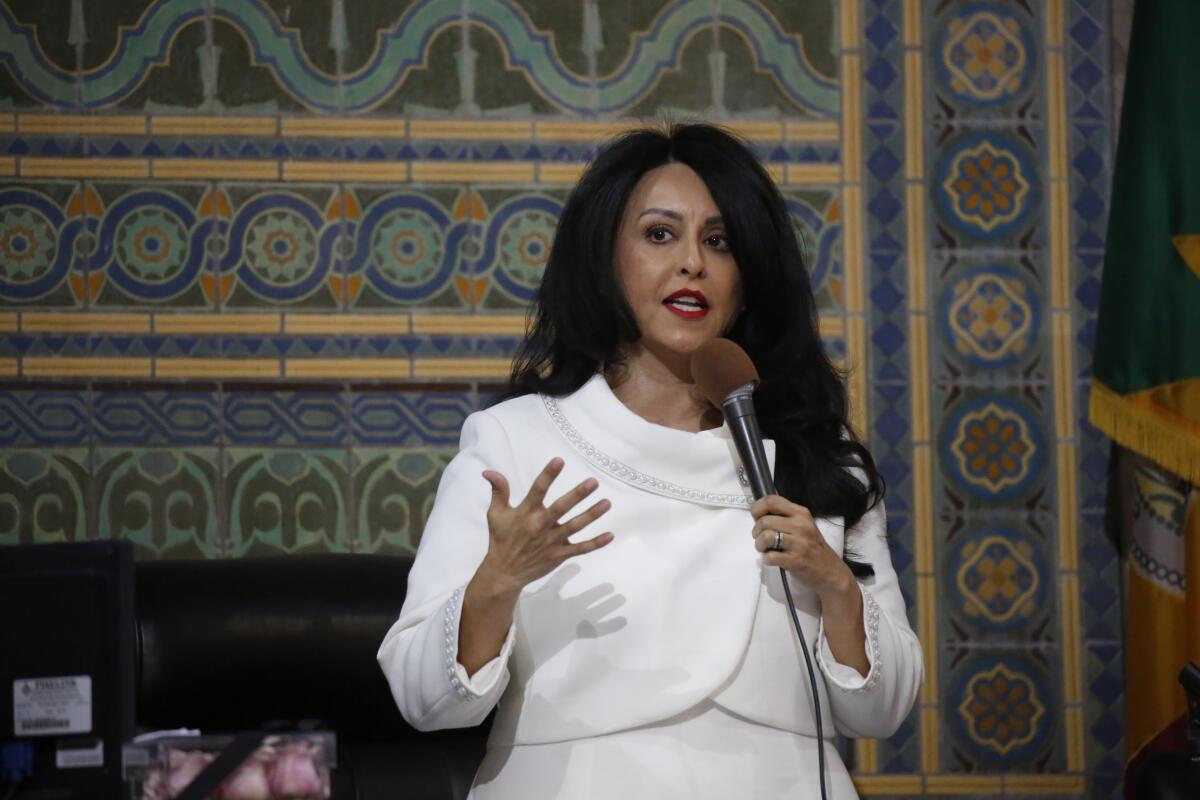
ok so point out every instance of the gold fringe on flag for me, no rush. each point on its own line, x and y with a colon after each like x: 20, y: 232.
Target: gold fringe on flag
x: 1141, y: 428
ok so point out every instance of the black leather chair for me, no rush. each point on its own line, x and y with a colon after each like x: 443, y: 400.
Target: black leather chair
x: 239, y: 644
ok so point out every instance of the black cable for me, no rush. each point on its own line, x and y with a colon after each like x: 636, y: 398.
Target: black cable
x: 812, y: 679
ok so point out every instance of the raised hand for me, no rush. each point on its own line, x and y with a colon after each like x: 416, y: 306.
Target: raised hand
x: 525, y: 542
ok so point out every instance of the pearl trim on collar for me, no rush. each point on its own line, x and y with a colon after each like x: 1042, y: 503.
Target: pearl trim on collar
x: 628, y: 474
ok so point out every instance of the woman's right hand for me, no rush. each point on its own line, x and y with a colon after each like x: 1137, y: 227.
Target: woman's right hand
x: 527, y: 541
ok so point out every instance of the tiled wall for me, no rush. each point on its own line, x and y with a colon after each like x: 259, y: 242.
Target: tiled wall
x: 258, y: 259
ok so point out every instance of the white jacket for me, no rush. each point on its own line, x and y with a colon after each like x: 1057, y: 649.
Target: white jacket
x: 675, y: 611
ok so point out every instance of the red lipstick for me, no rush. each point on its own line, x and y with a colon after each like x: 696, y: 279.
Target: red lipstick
x: 687, y: 303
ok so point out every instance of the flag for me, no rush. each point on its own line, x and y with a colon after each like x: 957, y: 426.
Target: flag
x: 1146, y: 374
x: 1146, y: 384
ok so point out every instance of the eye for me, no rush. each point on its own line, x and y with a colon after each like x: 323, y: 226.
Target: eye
x: 718, y: 241
x: 659, y: 234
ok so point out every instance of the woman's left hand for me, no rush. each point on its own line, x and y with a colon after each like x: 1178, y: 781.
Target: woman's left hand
x: 802, y: 550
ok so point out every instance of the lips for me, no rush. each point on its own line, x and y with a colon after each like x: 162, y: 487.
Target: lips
x: 687, y: 303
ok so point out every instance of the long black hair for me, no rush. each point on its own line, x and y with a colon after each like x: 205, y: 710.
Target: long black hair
x: 581, y: 320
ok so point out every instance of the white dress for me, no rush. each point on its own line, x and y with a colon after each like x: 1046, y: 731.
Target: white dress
x: 661, y: 666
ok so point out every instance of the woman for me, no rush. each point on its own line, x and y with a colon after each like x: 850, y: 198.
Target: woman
x: 638, y: 645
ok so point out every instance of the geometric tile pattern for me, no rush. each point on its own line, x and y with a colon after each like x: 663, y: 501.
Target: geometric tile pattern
x: 258, y: 261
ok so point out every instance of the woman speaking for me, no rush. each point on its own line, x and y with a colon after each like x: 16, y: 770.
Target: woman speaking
x: 594, y: 565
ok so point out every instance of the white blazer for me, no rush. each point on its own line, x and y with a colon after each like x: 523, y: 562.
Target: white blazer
x: 675, y: 611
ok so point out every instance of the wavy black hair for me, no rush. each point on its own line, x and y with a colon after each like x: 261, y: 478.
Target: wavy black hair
x: 581, y: 321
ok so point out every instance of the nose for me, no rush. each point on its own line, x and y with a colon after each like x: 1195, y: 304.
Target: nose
x: 693, y: 261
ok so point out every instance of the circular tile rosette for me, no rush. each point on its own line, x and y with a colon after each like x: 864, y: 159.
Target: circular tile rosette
x: 992, y: 447
x: 35, y: 244
x: 27, y: 244
x: 151, y: 245
x: 1004, y: 708
x: 990, y: 315
x: 999, y: 577
x: 985, y: 54
x: 279, y: 246
x: 985, y: 185
x: 518, y: 241
x: 408, y: 246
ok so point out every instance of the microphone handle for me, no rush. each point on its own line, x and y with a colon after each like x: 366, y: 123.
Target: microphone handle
x: 738, y: 410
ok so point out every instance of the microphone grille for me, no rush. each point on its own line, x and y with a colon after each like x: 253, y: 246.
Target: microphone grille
x: 719, y: 366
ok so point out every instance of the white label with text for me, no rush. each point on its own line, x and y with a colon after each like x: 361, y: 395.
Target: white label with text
x: 52, y: 706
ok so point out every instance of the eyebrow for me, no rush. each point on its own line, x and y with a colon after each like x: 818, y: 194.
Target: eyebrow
x: 675, y: 215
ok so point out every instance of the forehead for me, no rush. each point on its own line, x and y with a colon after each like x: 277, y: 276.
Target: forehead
x: 673, y: 186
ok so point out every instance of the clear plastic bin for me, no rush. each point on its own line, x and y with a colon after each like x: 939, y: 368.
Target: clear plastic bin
x: 294, y: 766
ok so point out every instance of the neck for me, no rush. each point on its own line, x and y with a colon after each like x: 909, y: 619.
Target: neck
x: 661, y: 391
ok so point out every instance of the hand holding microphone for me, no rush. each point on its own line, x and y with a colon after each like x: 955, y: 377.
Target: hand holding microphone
x: 784, y: 532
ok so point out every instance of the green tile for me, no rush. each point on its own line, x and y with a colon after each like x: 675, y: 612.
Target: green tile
x: 163, y: 500
x: 43, y: 496
x: 286, y: 501
x: 393, y: 495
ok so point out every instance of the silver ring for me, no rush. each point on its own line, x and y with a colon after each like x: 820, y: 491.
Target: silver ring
x: 778, y: 541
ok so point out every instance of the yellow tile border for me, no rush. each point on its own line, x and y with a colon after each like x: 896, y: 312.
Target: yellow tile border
x: 510, y: 324
x: 470, y: 129
x: 1071, y: 635
x: 866, y: 756
x: 343, y: 127
x: 456, y: 172
x: 963, y: 784
x: 914, y: 113
x: 217, y: 368
x: 888, y: 784
x: 85, y: 366
x: 1075, y: 738
x: 831, y: 326
x: 338, y: 171
x: 854, y: 263
x: 217, y: 323
x: 912, y: 23
x: 813, y: 174
x: 398, y: 127
x: 580, y: 131
x: 856, y: 355
x: 764, y: 131
x: 461, y: 367
x: 83, y: 322
x: 118, y: 168
x: 9, y: 322
x: 1043, y: 784
x: 345, y: 368
x: 364, y: 324
x: 8, y: 367
x: 208, y: 125
x: 811, y: 131
x: 83, y: 124
x: 473, y: 171
x: 548, y: 172
x: 214, y: 169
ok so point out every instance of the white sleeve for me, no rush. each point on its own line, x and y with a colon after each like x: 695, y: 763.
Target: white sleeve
x: 419, y: 654
x: 874, y: 706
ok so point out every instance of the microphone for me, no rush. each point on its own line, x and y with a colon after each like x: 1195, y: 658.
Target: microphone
x: 727, y: 378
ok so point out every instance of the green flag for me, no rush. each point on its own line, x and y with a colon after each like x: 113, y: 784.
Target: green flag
x: 1146, y: 384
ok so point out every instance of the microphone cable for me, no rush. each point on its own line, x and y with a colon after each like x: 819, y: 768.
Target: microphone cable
x: 812, y: 680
